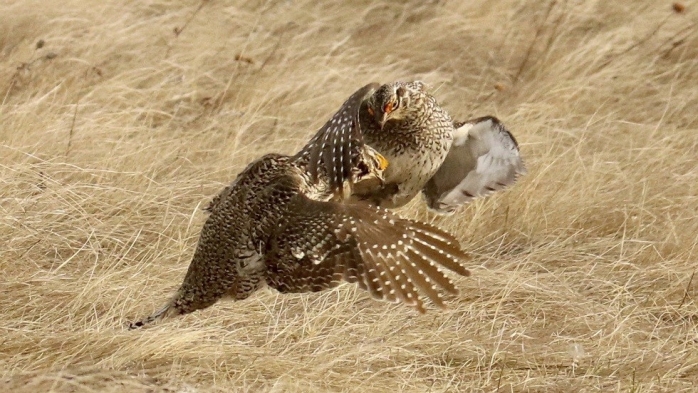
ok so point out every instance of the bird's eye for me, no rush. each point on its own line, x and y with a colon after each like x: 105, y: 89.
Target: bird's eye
x: 391, y: 106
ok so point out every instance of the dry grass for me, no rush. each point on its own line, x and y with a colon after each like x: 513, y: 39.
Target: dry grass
x: 133, y: 114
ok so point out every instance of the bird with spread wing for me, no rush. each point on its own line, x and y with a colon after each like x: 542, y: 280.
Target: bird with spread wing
x: 450, y: 162
x: 275, y: 226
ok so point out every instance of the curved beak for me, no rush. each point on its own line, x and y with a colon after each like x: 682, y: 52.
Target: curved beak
x: 382, y: 165
x: 381, y: 118
x: 382, y: 161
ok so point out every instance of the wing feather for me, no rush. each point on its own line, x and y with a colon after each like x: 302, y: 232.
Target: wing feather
x: 335, y: 148
x: 393, y: 259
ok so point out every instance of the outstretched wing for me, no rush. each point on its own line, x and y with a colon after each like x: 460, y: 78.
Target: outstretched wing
x: 336, y: 145
x: 484, y: 158
x: 320, y: 243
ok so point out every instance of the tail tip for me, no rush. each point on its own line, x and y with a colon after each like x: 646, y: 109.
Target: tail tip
x: 168, y: 310
x: 137, y: 324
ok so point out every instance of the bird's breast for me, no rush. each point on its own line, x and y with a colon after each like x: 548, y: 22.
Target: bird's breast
x: 412, y: 170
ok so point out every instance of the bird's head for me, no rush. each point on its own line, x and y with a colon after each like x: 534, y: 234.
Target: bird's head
x: 369, y: 174
x: 372, y: 165
x: 390, y: 101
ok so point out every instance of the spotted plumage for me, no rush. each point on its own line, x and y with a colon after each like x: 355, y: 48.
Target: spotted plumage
x: 332, y: 153
x: 405, y: 123
x: 275, y: 226
x: 412, y: 131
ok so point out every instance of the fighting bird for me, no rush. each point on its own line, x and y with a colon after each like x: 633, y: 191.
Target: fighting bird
x: 275, y: 225
x: 449, y: 162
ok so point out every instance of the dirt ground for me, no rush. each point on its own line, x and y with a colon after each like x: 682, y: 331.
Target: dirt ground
x: 119, y: 120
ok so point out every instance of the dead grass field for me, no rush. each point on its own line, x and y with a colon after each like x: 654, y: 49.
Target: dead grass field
x: 133, y: 114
